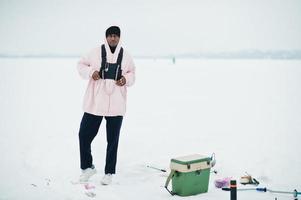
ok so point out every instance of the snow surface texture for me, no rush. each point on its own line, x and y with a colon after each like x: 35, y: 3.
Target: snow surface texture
x: 246, y: 111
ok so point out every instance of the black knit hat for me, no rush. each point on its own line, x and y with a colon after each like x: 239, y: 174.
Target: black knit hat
x: 113, y: 30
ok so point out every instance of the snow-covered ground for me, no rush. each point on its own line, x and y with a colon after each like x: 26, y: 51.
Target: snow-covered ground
x: 246, y: 111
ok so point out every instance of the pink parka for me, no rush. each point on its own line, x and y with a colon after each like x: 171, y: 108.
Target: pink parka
x: 104, y: 97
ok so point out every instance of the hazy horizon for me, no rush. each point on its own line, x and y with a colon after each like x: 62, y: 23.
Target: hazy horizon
x: 150, y: 28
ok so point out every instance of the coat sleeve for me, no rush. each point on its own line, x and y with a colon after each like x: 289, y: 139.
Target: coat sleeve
x: 84, y: 67
x: 130, y: 73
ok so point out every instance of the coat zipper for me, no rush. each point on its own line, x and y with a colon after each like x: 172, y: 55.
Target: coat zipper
x: 110, y: 94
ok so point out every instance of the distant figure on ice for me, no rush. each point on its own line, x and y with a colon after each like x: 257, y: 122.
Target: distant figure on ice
x: 110, y: 70
x: 173, y: 60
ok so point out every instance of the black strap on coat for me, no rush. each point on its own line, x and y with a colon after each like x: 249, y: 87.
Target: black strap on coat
x: 104, y: 57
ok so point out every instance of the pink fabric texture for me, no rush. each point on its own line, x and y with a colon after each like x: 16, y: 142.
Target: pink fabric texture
x: 104, y: 97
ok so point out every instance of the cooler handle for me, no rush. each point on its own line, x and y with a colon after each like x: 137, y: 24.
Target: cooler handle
x: 171, y: 174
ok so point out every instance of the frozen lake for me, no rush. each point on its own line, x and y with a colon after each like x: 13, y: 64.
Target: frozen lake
x: 246, y: 111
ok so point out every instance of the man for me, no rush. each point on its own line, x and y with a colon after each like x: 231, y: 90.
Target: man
x: 110, y: 70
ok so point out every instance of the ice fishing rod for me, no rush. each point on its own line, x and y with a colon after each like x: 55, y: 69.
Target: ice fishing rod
x: 295, y: 192
x: 162, y: 170
x: 212, y: 164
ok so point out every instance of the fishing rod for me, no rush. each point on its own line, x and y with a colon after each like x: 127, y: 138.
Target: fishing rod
x: 295, y: 192
x: 162, y: 170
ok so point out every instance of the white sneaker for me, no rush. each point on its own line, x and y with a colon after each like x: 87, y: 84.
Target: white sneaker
x: 86, y: 174
x: 107, y: 179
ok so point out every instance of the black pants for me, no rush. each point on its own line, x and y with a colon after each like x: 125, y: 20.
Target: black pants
x: 88, y: 130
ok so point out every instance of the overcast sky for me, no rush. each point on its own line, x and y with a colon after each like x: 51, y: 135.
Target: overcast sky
x: 149, y: 27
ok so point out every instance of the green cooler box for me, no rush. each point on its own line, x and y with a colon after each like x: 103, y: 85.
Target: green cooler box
x: 189, y: 175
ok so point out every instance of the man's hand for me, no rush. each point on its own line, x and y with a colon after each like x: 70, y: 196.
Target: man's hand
x: 95, y: 75
x: 121, y: 82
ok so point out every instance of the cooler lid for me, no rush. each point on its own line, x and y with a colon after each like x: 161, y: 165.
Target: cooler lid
x: 190, y: 159
x: 190, y: 163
